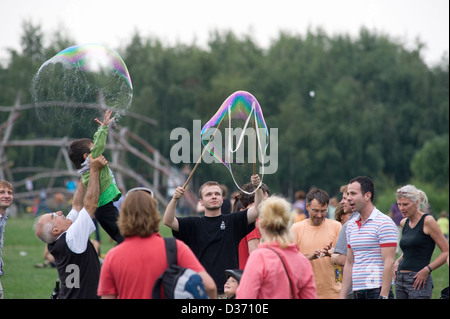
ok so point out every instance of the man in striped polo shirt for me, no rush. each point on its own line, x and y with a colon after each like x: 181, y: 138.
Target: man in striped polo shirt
x: 371, y: 245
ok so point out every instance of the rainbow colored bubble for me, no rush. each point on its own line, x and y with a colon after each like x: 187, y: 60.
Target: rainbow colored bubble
x: 93, y: 58
x: 78, y: 83
x: 238, y: 137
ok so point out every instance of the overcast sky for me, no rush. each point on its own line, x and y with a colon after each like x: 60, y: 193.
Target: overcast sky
x: 112, y: 22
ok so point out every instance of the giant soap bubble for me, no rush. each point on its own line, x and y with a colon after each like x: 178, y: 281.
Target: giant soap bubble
x: 77, y: 84
x: 224, y: 136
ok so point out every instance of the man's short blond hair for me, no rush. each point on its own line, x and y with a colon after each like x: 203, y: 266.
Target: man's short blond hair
x: 210, y: 183
x: 7, y: 184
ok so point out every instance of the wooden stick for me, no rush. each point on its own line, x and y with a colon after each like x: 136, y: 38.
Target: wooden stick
x: 203, y: 153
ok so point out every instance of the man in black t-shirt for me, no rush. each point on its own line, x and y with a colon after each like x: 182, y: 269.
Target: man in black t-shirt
x: 214, y: 238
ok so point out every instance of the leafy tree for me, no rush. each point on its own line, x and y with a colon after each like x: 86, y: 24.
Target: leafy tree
x: 430, y: 164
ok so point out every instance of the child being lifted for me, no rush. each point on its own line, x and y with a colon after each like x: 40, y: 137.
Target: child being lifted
x: 79, y: 152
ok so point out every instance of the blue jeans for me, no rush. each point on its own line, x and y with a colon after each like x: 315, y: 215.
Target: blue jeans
x: 404, y: 288
x: 370, y: 293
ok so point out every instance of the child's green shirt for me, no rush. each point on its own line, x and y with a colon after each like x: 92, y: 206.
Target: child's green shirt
x: 108, y: 188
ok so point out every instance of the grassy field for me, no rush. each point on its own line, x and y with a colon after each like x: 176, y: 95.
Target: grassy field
x: 22, y: 250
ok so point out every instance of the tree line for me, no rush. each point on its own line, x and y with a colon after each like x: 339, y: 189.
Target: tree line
x: 344, y: 106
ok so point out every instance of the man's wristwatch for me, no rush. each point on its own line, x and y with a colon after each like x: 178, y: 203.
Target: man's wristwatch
x: 383, y: 297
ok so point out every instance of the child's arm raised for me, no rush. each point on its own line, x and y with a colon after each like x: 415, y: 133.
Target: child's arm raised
x: 107, y: 120
x: 101, y: 134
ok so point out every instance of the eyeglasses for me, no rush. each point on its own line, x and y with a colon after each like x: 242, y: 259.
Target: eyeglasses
x: 319, y: 211
x: 145, y: 189
x: 54, y: 215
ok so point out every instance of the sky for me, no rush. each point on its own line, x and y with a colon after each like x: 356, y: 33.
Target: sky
x: 113, y: 22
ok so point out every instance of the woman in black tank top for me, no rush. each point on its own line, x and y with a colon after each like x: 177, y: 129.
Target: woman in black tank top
x: 420, y: 235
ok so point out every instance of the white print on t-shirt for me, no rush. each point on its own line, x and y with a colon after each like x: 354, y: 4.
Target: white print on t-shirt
x: 73, y: 279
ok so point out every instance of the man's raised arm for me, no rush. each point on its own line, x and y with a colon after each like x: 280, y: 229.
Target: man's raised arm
x: 78, y: 197
x: 93, y: 189
x: 169, y: 218
x: 253, y: 212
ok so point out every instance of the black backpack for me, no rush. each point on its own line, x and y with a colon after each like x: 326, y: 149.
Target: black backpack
x: 178, y: 282
x: 444, y: 293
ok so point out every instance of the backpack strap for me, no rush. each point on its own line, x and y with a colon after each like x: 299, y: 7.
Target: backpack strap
x: 171, y: 253
x: 171, y: 250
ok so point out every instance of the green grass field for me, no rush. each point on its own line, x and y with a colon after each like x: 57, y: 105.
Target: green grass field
x: 22, y: 250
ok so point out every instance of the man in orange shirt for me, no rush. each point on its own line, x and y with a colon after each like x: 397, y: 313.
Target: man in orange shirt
x: 315, y: 236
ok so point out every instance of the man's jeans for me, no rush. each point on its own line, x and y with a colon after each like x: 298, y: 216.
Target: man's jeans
x: 370, y: 294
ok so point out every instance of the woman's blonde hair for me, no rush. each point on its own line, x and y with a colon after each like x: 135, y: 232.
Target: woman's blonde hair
x: 139, y: 215
x: 274, y: 214
x: 414, y: 194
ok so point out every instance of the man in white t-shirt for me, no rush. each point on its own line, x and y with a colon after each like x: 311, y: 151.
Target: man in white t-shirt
x: 68, y: 240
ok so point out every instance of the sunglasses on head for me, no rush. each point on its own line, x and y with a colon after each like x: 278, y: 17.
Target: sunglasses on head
x: 145, y: 189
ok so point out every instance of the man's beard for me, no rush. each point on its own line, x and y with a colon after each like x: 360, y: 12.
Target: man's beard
x: 213, y: 207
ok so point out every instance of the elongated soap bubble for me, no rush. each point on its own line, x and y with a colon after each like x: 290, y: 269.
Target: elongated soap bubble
x: 238, y: 137
x: 68, y: 89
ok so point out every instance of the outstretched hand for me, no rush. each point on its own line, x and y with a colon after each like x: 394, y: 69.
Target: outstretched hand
x: 107, y: 120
